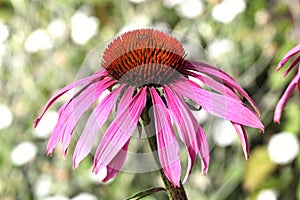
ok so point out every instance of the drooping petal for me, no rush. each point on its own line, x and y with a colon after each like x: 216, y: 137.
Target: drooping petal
x: 80, y: 105
x: 58, y: 131
x: 94, y: 123
x: 167, y: 145
x: 218, y: 74
x: 119, y: 132
x: 203, y: 149
x: 71, y: 112
x: 243, y: 138
x: 189, y: 131
x: 117, y: 163
x: 97, y: 76
x: 293, y: 64
x: 126, y: 98
x: 283, y: 100
x: 219, y: 105
x: 217, y: 86
x: 288, y: 55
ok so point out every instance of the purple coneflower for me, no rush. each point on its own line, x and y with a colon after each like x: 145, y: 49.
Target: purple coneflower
x: 295, y: 82
x: 148, y: 67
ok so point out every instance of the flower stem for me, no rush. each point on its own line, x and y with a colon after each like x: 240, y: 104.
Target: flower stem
x: 174, y: 193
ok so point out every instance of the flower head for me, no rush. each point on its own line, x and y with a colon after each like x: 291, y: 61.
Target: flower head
x: 295, y: 82
x: 148, y: 67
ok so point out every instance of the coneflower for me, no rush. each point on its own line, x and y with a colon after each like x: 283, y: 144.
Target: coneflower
x: 294, y: 83
x: 143, y: 69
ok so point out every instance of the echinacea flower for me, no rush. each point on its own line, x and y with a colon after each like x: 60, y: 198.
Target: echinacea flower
x: 295, y: 82
x: 145, y: 67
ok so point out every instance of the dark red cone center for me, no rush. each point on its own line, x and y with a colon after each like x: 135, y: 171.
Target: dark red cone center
x: 144, y: 57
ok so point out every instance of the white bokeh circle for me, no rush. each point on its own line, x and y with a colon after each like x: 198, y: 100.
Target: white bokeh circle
x: 283, y: 148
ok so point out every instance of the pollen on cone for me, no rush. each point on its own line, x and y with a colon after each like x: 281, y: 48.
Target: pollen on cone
x: 143, y: 57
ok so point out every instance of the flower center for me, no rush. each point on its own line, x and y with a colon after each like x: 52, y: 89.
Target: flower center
x: 144, y: 57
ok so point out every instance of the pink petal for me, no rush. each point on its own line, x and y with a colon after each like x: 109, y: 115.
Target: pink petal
x: 86, y: 80
x: 217, y: 86
x: 219, y: 105
x: 81, y: 104
x: 283, y: 100
x: 288, y: 55
x: 119, y: 132
x: 294, y: 63
x: 243, y: 138
x: 94, y: 123
x: 71, y: 112
x: 167, y: 145
x: 117, y: 163
x: 57, y: 132
x: 223, y: 77
x: 189, y: 131
x: 126, y: 98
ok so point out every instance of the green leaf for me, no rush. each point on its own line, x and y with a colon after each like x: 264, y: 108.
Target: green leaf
x: 145, y: 193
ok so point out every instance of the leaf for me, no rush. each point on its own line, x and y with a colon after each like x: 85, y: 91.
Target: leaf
x: 145, y: 193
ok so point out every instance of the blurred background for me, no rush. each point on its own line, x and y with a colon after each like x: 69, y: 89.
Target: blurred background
x: 43, y: 43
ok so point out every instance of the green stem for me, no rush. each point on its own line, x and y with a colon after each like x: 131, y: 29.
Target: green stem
x: 175, y: 193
